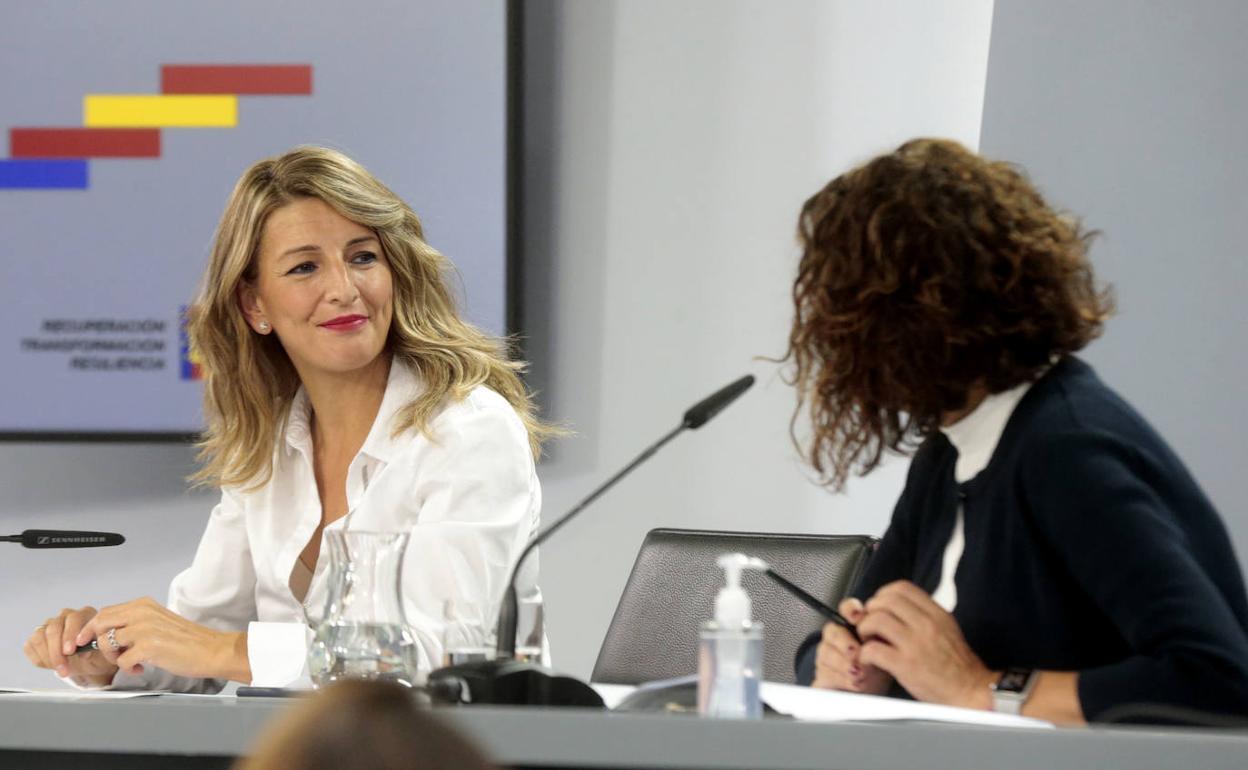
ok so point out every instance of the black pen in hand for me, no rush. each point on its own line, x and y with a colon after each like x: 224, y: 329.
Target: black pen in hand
x: 91, y: 646
x: 814, y: 603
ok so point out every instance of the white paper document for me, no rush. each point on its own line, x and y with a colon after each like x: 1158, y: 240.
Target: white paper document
x: 7, y: 692
x: 612, y: 694
x: 810, y: 704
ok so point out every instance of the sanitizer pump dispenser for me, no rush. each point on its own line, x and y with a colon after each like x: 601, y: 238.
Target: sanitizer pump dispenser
x: 730, y: 654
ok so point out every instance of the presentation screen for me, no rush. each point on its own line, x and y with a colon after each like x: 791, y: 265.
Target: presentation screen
x: 127, y: 123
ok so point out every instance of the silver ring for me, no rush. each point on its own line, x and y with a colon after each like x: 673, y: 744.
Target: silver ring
x: 112, y: 640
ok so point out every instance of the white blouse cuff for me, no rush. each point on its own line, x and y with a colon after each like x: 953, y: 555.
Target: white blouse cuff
x: 277, y: 653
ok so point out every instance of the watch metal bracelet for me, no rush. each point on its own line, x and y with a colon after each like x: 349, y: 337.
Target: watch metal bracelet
x: 1012, y: 689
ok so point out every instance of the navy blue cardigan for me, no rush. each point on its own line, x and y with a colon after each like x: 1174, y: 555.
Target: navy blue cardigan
x: 1089, y: 548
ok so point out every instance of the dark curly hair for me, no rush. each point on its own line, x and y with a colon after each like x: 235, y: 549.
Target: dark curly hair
x: 927, y: 274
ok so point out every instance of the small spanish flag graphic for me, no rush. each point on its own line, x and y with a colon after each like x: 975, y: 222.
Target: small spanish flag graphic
x: 192, y: 364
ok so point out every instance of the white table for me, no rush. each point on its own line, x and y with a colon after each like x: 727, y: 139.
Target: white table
x: 192, y: 732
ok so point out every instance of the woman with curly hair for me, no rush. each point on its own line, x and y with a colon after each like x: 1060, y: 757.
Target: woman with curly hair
x: 1049, y: 553
x: 341, y: 388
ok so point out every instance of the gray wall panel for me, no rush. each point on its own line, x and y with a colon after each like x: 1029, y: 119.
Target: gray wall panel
x: 1132, y: 114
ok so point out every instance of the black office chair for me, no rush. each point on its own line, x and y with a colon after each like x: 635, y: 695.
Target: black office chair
x: 670, y: 593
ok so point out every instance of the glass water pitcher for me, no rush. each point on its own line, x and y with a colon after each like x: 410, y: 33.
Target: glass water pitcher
x: 362, y: 633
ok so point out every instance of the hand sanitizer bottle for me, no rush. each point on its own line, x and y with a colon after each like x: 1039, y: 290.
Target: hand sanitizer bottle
x: 730, y: 654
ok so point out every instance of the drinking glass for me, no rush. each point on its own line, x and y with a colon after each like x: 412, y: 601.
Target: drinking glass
x: 530, y: 630
x: 467, y: 635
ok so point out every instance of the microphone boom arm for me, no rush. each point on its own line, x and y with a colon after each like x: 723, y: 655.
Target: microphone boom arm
x: 506, y: 629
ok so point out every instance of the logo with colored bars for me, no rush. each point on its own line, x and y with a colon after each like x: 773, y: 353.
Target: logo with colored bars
x: 191, y: 362
x: 129, y: 125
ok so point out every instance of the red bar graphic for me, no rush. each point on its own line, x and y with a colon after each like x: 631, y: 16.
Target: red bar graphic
x: 236, y: 79
x: 84, y: 142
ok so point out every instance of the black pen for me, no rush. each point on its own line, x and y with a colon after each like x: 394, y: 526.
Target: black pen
x: 91, y: 646
x: 814, y: 604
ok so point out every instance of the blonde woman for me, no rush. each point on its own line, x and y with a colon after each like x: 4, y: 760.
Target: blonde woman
x: 341, y: 386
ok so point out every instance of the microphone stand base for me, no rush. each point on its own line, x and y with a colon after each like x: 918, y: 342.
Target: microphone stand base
x: 509, y: 682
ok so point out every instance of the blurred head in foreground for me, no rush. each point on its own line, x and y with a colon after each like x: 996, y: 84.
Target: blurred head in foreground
x: 362, y: 725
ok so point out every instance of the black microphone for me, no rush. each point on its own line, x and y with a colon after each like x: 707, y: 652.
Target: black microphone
x: 63, y: 538
x: 505, y: 680
x: 701, y: 413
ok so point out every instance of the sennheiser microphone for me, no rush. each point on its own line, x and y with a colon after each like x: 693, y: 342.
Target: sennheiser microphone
x: 505, y: 680
x: 63, y: 538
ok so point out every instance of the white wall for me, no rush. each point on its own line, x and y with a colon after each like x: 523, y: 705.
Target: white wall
x: 669, y: 146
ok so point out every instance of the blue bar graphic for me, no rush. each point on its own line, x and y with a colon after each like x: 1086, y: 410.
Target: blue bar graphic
x: 32, y: 174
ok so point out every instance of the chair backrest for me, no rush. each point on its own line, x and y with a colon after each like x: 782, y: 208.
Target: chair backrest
x: 670, y: 593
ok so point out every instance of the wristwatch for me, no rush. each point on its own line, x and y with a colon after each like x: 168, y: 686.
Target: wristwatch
x: 1011, y: 690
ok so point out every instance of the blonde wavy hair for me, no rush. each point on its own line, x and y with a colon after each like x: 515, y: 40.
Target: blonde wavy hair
x: 249, y: 380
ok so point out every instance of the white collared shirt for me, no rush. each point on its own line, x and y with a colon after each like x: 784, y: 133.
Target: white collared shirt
x: 469, y: 497
x: 975, y: 437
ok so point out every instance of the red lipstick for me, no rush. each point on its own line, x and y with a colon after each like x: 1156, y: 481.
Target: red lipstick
x: 345, y: 323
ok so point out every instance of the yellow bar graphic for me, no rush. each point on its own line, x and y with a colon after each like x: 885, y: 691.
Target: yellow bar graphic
x: 159, y: 111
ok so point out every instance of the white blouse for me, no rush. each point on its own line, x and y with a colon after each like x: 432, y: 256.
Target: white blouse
x: 469, y: 497
x: 975, y: 437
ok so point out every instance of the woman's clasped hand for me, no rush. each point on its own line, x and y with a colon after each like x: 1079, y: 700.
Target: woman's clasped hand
x: 130, y: 636
x: 907, y: 638
x: 53, y: 643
